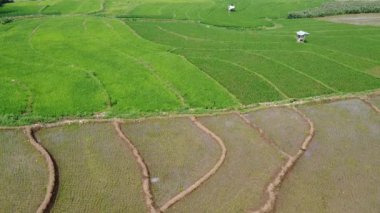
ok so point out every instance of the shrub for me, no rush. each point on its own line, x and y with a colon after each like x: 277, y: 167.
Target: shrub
x: 6, y: 20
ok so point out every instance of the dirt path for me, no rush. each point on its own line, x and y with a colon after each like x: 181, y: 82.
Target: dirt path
x: 207, y: 175
x: 264, y: 136
x: 274, y: 186
x: 370, y: 104
x: 50, y: 189
x: 144, y: 169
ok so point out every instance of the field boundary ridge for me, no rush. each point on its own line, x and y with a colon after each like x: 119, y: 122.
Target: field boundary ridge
x: 149, y: 202
x: 205, y: 177
x: 273, y: 188
x: 51, y: 189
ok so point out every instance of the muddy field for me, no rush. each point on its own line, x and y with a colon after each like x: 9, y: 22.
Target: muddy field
x: 339, y: 172
x: 357, y: 19
x: 315, y: 157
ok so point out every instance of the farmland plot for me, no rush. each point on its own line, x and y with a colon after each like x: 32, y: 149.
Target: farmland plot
x: 240, y: 182
x: 339, y: 172
x: 376, y: 101
x: 96, y: 169
x: 24, y: 173
x: 283, y: 125
x: 176, y: 152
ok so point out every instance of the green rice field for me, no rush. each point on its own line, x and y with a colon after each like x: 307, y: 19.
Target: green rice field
x: 115, y: 58
x: 182, y: 106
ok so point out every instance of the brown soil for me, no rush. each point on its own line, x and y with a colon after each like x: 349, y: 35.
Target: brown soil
x: 50, y: 192
x: 144, y: 169
x: 207, y: 175
x: 356, y: 19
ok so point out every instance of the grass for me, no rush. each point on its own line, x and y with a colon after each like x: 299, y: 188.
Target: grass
x: 339, y: 172
x: 284, y: 126
x: 141, y: 57
x: 175, y: 151
x: 97, y: 171
x: 238, y: 184
x: 24, y: 174
x: 13, y: 97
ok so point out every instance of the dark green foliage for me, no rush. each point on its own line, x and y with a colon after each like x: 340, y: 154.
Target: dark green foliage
x: 6, y: 20
x: 338, y: 8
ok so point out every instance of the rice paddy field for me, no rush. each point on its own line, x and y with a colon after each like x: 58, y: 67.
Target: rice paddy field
x: 117, y: 58
x: 23, y: 173
x: 182, y: 106
x: 96, y: 170
x: 339, y: 172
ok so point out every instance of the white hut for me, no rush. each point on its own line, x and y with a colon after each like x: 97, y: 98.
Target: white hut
x: 301, y: 36
x: 231, y: 8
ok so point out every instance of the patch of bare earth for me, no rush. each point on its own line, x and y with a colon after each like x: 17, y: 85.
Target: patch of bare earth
x: 339, y: 172
x: 357, y: 19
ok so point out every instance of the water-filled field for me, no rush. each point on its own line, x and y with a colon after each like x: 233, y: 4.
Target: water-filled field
x: 306, y: 158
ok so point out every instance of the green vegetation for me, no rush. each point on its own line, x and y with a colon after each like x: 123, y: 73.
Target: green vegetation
x: 338, y: 8
x: 143, y: 57
x: 339, y: 172
x: 97, y: 172
x: 176, y: 152
x: 24, y: 173
x: 240, y: 182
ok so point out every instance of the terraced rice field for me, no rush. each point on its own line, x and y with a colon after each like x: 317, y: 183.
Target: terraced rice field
x: 115, y: 58
x: 262, y: 160
x: 243, y: 118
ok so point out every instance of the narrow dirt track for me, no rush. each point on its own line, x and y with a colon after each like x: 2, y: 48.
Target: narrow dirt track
x: 44, y: 206
x: 264, y: 136
x: 273, y: 187
x: 210, y: 173
x: 370, y: 104
x: 144, y: 169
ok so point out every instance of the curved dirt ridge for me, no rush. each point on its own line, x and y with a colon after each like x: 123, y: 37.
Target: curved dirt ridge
x: 204, y: 178
x: 144, y: 169
x: 44, y: 206
x: 264, y: 136
x: 370, y: 104
x: 273, y: 187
